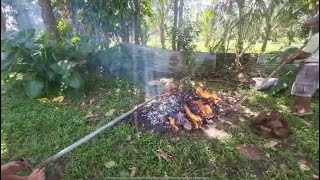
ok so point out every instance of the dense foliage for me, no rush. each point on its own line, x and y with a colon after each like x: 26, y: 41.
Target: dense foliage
x: 40, y: 64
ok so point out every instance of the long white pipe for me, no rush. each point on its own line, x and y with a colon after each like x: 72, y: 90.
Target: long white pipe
x: 89, y: 136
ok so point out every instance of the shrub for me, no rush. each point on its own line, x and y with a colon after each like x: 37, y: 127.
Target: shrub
x: 39, y: 64
x: 186, y: 36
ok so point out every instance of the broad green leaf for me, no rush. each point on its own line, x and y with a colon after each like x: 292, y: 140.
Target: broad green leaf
x: 33, y: 88
x: 74, y: 80
x: 75, y: 39
x: 24, y: 36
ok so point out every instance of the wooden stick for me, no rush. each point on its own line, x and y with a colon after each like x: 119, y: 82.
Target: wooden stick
x: 90, y: 136
x: 28, y: 164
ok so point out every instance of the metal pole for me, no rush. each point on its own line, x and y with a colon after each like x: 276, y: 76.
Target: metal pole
x: 89, y: 136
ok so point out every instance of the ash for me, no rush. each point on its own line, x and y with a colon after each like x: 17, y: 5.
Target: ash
x: 158, y: 112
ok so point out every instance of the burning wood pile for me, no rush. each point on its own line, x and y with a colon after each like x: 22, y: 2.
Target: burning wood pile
x: 179, y: 111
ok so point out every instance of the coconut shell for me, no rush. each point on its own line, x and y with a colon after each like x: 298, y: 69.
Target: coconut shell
x: 260, y: 119
x: 281, y: 132
x: 274, y: 116
x: 262, y: 130
x: 284, y: 122
x: 274, y: 124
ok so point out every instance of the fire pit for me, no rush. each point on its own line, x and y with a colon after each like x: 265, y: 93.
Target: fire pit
x: 179, y: 111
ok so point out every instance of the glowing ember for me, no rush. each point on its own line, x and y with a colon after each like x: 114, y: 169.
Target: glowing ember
x: 197, y: 121
x: 206, y: 111
x: 172, y: 122
x: 182, y: 110
x: 207, y: 95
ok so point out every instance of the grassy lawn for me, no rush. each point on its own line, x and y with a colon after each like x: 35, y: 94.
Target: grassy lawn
x: 271, y: 46
x: 36, y: 130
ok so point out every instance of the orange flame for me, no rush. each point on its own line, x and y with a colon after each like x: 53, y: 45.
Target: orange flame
x: 172, y: 122
x: 207, y: 95
x: 205, y: 109
x: 196, y: 120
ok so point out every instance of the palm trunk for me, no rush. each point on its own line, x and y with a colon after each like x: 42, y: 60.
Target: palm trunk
x: 266, y: 38
x: 174, y: 28
x: 48, y: 18
x: 137, y: 24
x: 162, y: 36
x: 180, y: 20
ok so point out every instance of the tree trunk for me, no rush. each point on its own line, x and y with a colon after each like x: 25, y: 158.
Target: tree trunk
x: 181, y: 4
x: 180, y: 20
x: 266, y: 38
x: 174, y: 28
x: 162, y: 36
x: 137, y: 24
x: 143, y: 34
x: 127, y: 32
x: 3, y: 23
x: 48, y: 18
x: 222, y: 48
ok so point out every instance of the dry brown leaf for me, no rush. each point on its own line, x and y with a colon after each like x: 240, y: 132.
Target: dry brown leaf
x: 267, y: 155
x: 315, y: 176
x: 110, y: 113
x: 89, y: 115
x: 303, y: 165
x: 241, y: 119
x: 274, y: 124
x: 163, y: 155
x: 128, y: 138
x: 283, y: 166
x: 281, y: 132
x: 58, y: 99
x: 271, y: 144
x: 249, y: 151
x: 134, y: 171
x: 91, y: 101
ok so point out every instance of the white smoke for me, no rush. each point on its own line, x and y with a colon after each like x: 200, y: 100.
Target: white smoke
x: 22, y: 15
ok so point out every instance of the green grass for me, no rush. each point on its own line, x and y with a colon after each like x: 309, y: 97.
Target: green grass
x: 271, y: 46
x: 38, y: 130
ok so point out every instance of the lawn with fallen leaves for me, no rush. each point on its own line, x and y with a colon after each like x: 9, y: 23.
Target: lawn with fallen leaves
x: 37, y: 129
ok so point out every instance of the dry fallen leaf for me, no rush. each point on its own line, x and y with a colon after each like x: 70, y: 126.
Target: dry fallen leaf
x: 58, y: 99
x: 110, y: 164
x: 91, y: 101
x: 163, y: 155
x: 283, y: 166
x: 90, y: 114
x: 249, y: 151
x: 303, y: 165
x: 315, y: 176
x: 44, y: 100
x: 110, y: 113
x: 271, y: 144
x: 134, y: 171
x: 267, y: 155
x: 241, y: 119
x: 128, y: 138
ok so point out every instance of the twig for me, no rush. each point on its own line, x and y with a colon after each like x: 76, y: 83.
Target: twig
x: 27, y: 163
